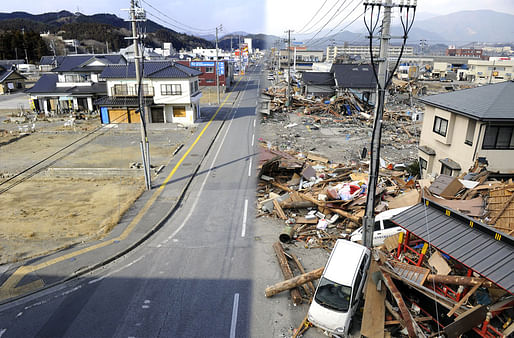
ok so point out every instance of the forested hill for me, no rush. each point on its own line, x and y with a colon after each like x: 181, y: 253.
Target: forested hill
x: 103, y: 28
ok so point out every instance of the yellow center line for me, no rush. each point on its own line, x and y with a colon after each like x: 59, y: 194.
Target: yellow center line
x: 20, y: 272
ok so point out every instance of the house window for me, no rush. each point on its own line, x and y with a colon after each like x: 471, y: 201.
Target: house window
x: 423, y: 163
x: 498, y: 137
x: 445, y: 170
x: 440, y: 126
x: 179, y: 111
x: 209, y: 69
x: 209, y: 81
x: 171, y: 89
x: 146, y: 89
x: 120, y: 90
x: 470, y: 133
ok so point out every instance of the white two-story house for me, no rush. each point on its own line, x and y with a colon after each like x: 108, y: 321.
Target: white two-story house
x: 73, y: 85
x: 468, y: 125
x: 171, y: 93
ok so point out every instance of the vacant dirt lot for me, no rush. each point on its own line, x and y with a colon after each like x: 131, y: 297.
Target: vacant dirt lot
x: 80, y: 184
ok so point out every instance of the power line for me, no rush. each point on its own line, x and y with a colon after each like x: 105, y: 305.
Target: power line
x: 321, y: 19
x: 329, y: 20
x: 323, y: 38
x: 179, y: 24
x: 319, y: 9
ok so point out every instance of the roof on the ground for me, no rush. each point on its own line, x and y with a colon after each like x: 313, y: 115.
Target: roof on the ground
x: 318, y: 78
x: 77, y: 63
x: 151, y: 69
x: 476, y: 245
x: 354, y: 76
x: 487, y: 103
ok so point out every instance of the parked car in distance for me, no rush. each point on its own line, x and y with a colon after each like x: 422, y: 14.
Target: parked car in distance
x: 340, y: 287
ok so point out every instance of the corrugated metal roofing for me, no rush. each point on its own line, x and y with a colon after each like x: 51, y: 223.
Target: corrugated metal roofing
x: 478, y: 246
x: 159, y: 69
x: 488, y: 103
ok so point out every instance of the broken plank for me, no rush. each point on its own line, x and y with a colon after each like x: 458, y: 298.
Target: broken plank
x: 406, y: 316
x: 464, y: 299
x: 279, y: 210
x: 374, y: 308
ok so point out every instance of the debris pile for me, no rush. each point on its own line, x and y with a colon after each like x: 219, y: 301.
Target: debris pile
x: 320, y: 201
x: 413, y: 288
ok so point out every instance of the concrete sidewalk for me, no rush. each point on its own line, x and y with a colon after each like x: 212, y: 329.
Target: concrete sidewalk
x: 144, y: 218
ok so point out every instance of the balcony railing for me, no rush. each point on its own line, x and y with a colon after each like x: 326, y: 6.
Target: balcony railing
x: 131, y: 91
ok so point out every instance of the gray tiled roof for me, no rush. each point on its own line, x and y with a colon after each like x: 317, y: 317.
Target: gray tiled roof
x: 76, y: 62
x: 157, y: 69
x: 318, y: 78
x: 478, y: 246
x: 354, y: 76
x: 51, y: 60
x: 4, y: 74
x: 487, y: 103
x: 45, y: 84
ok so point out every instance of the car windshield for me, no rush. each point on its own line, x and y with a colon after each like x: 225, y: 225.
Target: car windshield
x: 333, y: 296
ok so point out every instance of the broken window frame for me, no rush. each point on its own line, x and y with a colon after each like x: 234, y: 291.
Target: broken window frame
x: 438, y: 126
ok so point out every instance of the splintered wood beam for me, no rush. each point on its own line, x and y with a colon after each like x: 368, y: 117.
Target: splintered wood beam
x: 286, y: 271
x: 463, y: 299
x: 406, y: 316
x: 293, y: 282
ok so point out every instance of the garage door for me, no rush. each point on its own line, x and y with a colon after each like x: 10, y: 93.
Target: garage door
x: 118, y: 116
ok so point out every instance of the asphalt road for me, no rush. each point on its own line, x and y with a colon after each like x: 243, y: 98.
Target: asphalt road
x: 191, y: 279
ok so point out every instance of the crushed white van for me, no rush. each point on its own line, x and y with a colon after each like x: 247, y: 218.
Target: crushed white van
x: 340, y: 287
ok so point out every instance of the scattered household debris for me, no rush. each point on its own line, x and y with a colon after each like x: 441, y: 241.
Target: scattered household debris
x: 320, y: 201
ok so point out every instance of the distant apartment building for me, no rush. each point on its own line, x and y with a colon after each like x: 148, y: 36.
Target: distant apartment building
x: 501, y: 50
x: 494, y: 70
x: 471, y: 52
x: 333, y: 52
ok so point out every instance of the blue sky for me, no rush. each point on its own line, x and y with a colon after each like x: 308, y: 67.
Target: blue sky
x: 255, y: 16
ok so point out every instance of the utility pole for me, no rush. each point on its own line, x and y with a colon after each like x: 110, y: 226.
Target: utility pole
x: 144, y: 138
x: 288, y: 67
x: 25, y: 46
x: 382, y: 79
x: 216, y: 66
